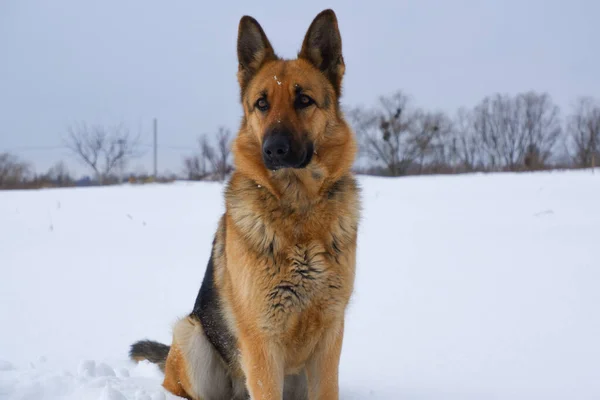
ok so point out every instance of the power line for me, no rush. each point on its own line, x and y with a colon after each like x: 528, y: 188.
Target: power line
x: 35, y: 148
x: 54, y: 148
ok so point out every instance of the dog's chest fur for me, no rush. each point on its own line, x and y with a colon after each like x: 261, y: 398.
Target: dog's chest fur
x: 296, y: 275
x: 303, y: 250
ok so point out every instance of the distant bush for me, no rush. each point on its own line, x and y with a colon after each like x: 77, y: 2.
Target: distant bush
x: 14, y: 173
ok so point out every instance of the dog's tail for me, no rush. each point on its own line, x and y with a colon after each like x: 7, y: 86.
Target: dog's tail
x: 150, y: 350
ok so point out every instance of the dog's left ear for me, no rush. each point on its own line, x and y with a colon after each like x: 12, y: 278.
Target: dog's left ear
x: 322, y: 46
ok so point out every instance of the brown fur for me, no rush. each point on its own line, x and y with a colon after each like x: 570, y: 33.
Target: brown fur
x: 176, y: 375
x: 285, y: 251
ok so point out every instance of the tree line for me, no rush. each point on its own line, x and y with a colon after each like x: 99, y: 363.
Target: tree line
x: 522, y: 132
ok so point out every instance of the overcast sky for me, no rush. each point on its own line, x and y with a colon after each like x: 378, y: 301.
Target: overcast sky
x: 108, y: 61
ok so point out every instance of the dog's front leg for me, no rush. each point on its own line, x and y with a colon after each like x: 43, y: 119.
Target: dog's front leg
x: 263, y: 368
x: 322, y: 368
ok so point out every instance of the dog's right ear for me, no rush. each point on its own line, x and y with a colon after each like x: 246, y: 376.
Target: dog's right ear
x: 253, y: 49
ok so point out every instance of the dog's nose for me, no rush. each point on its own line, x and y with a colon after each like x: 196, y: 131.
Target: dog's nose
x: 276, y: 147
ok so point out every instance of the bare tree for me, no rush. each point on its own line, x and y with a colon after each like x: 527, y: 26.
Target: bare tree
x: 385, y: 133
x: 103, y: 148
x: 218, y: 156
x: 59, y: 173
x: 540, y: 122
x: 584, y: 132
x: 466, y: 147
x: 495, y: 120
x: 212, y: 161
x: 430, y: 139
x: 221, y: 161
x: 13, y: 171
x: 517, y: 131
x: 198, y: 166
x: 193, y: 168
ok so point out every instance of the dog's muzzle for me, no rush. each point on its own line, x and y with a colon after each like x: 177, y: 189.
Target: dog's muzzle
x: 280, y: 150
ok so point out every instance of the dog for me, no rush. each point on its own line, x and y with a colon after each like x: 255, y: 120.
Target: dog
x: 268, y: 321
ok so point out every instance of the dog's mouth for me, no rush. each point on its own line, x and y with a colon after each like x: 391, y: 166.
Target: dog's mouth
x: 308, y: 153
x: 280, y: 151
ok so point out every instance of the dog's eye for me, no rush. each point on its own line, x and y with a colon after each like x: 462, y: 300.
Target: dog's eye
x: 303, y: 101
x: 262, y: 104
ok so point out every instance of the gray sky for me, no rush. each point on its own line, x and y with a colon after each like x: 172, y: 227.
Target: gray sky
x: 109, y: 61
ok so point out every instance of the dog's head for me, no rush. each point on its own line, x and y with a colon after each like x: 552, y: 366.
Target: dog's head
x: 291, y: 107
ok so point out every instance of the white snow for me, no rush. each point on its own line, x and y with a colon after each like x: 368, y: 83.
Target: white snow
x: 468, y: 287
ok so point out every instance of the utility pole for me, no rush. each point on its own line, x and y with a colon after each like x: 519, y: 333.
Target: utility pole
x: 155, y: 148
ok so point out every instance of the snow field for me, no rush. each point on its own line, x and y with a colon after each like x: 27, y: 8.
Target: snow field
x: 468, y: 287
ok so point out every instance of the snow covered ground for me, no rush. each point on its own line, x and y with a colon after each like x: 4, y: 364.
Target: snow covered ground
x: 468, y: 287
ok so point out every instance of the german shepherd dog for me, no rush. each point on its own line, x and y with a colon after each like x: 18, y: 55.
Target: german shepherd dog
x: 268, y: 321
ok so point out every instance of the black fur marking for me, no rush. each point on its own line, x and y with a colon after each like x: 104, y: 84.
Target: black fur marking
x: 284, y: 297
x: 303, y: 266
x: 326, y: 101
x: 336, y: 188
x: 208, y: 310
x: 287, y: 287
x: 336, y: 248
x: 335, y: 245
x: 272, y: 248
x: 306, y: 274
x: 343, y: 228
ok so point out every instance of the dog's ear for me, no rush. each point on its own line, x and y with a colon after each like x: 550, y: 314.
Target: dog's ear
x: 253, y: 49
x: 322, y: 46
